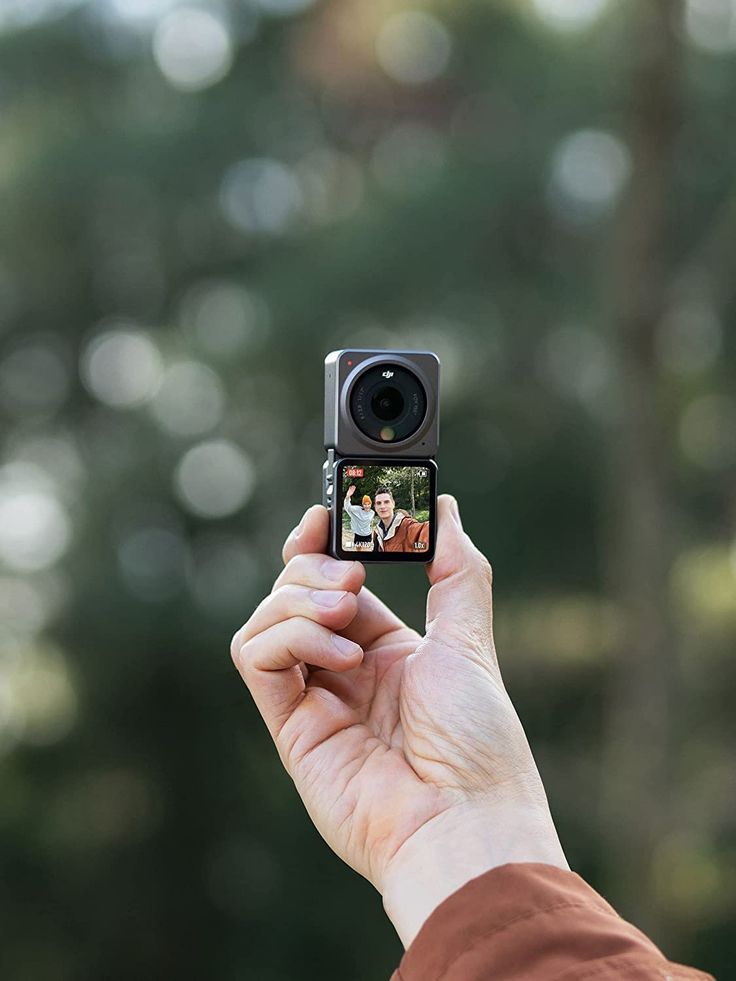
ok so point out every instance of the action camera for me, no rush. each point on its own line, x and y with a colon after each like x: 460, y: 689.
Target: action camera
x: 381, y: 437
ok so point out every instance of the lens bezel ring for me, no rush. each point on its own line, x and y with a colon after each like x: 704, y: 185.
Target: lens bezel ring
x: 388, y: 359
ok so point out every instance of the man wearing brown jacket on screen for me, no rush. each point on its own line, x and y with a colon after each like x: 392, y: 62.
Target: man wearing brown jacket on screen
x: 396, y: 531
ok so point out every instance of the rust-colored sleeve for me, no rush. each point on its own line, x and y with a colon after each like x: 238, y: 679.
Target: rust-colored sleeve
x: 418, y: 531
x: 533, y: 922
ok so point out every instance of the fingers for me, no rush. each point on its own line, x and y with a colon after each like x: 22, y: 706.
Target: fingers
x: 459, y: 603
x: 315, y: 587
x: 334, y: 608
x: 269, y: 665
x: 322, y: 572
x: 373, y: 619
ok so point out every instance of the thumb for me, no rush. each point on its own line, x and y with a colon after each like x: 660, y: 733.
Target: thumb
x: 459, y: 602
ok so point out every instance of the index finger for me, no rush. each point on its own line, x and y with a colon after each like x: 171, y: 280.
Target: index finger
x: 310, y: 535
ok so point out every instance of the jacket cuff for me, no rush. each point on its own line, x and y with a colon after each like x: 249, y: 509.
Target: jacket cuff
x: 530, y: 921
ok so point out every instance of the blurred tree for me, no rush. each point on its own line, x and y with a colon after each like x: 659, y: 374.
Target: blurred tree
x: 644, y: 679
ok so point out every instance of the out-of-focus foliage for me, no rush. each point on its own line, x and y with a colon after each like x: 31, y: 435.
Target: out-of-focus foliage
x: 199, y: 201
x: 407, y: 485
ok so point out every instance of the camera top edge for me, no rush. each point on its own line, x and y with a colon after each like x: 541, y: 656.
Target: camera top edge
x: 334, y: 356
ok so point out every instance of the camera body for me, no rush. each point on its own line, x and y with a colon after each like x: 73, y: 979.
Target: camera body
x: 381, y: 437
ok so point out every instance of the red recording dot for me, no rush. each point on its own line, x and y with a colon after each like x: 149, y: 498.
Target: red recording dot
x: 350, y: 364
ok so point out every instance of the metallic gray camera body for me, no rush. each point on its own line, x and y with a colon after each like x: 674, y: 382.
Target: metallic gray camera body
x: 381, y: 407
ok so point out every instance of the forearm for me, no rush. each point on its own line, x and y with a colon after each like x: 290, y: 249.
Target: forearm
x: 455, y: 847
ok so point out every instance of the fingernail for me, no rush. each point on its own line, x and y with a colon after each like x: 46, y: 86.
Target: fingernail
x: 327, y: 597
x: 334, y: 569
x: 300, y: 527
x: 345, y: 647
x: 456, y: 512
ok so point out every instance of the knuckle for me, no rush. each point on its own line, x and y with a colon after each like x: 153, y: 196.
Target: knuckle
x: 294, y: 564
x: 485, y: 569
x: 288, y: 595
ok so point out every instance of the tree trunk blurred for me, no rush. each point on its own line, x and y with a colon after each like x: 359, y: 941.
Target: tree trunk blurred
x: 636, y: 785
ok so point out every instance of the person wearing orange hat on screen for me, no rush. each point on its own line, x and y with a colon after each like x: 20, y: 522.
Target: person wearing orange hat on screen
x: 361, y: 519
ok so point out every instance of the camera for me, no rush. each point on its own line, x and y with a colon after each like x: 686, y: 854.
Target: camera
x: 381, y: 437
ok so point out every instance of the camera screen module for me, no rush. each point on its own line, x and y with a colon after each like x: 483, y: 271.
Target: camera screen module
x: 387, y: 510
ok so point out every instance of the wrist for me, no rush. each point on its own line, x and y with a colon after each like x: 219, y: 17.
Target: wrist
x: 459, y: 845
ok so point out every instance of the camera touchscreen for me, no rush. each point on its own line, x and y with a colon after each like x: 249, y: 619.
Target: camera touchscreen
x: 386, y: 510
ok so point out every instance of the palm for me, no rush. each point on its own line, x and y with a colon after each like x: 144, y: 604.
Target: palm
x: 349, y: 763
x: 378, y: 750
x: 385, y: 747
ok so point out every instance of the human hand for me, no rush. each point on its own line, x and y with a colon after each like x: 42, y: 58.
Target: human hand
x: 406, y: 750
x: 351, y: 490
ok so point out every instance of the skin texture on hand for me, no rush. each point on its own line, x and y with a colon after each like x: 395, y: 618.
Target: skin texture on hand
x: 399, y: 745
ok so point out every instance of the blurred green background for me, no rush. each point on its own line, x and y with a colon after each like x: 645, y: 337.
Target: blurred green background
x: 199, y: 201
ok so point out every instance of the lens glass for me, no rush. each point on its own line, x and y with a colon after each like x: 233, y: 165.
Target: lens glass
x: 388, y: 403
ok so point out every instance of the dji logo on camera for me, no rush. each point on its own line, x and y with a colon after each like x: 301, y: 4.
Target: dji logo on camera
x: 387, y: 374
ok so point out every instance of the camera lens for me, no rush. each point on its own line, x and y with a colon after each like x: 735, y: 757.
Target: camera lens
x: 388, y: 403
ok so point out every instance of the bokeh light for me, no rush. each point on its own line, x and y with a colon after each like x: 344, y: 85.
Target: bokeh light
x: 38, y: 701
x: 225, y: 318
x: 261, y: 196
x: 141, y: 14
x: 122, y: 368
x: 193, y: 49
x: 214, y: 479
x: 18, y: 14
x: 703, y: 583
x: 413, y: 47
x: 589, y: 170
x: 569, y: 15
x: 35, y: 528
x: 190, y: 400
x: 55, y: 455
x: 711, y: 25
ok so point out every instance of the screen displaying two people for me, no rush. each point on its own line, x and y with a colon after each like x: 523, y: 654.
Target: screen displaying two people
x: 385, y: 509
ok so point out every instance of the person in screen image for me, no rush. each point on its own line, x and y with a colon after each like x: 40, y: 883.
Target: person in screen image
x: 361, y: 519
x: 396, y: 530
